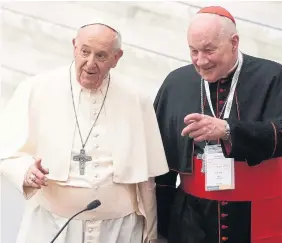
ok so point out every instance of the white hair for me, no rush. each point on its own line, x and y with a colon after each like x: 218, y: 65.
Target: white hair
x: 117, y: 39
x: 228, y: 28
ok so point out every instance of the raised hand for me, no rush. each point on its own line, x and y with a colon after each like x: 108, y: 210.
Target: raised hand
x: 203, y: 127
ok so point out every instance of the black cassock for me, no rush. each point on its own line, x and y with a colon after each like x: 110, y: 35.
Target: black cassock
x: 252, y: 212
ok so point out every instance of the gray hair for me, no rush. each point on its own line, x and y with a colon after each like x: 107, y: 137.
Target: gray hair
x: 117, y: 40
x: 228, y: 28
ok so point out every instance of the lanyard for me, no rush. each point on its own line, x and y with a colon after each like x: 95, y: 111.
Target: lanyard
x: 230, y: 97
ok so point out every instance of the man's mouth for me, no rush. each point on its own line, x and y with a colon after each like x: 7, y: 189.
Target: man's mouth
x: 90, y: 73
x: 207, y: 69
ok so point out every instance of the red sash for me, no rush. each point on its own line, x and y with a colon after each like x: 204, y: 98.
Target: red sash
x: 261, y: 184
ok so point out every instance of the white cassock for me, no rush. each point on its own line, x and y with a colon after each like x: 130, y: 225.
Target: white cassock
x: 126, y: 150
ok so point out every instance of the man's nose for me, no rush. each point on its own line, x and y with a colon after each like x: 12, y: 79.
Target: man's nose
x: 91, y: 61
x: 202, y: 60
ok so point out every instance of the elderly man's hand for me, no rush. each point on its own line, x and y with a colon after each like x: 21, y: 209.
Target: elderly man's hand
x: 35, y: 175
x: 203, y: 127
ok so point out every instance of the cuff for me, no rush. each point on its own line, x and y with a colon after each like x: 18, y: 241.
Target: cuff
x: 14, y: 170
x: 226, y: 147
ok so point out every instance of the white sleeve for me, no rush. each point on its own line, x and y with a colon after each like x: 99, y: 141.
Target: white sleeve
x: 15, y: 145
x: 14, y: 170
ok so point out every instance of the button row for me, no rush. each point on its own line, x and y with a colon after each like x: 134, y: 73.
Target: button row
x: 224, y: 226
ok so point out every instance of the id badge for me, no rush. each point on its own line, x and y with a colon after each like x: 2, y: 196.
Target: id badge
x: 219, y: 171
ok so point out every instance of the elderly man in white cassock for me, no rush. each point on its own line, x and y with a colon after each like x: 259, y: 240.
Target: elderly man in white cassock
x: 80, y: 133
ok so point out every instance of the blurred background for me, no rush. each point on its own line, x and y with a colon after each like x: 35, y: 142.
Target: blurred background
x: 36, y: 36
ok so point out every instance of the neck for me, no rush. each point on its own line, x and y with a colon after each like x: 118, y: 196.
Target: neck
x: 234, y: 66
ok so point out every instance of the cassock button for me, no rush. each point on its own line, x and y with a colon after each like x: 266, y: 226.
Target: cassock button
x: 221, y: 90
x: 224, y: 203
x: 224, y: 226
x: 223, y: 215
x: 221, y: 102
x: 224, y: 238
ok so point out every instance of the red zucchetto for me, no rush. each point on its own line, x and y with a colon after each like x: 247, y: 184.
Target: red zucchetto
x: 219, y: 11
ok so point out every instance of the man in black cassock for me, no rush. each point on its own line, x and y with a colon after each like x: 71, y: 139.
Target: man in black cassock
x: 233, y: 100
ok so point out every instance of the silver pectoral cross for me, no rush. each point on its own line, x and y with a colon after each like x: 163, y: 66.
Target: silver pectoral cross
x: 82, y: 158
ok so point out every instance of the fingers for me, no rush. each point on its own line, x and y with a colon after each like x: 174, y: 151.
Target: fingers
x: 39, y: 166
x: 30, y: 181
x: 40, y: 178
x: 35, y: 175
x: 194, y: 127
x: 194, y: 117
x: 201, y: 138
x: 198, y: 133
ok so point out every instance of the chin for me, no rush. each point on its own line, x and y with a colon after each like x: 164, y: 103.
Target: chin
x: 209, y: 78
x: 212, y: 80
x: 85, y: 85
x: 89, y: 84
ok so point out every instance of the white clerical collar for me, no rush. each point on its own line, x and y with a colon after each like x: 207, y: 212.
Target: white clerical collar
x: 232, y: 69
x: 235, y: 66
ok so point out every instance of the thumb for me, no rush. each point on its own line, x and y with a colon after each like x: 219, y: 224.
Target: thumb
x: 39, y: 166
x: 37, y: 163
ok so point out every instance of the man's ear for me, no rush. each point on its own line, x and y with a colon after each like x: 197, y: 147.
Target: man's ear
x: 235, y: 42
x: 73, y: 42
x: 117, y: 56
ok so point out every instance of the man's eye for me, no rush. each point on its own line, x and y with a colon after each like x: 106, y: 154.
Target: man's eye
x: 101, y: 56
x: 84, y: 52
x: 209, y: 51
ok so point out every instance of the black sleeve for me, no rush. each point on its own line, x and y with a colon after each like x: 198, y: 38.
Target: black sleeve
x: 166, y: 184
x: 165, y: 192
x: 254, y: 142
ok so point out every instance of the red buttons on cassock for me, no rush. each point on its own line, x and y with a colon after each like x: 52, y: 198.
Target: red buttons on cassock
x: 223, y: 215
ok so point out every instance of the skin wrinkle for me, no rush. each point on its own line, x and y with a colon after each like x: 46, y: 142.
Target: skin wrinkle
x: 95, y: 54
x: 213, y: 43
